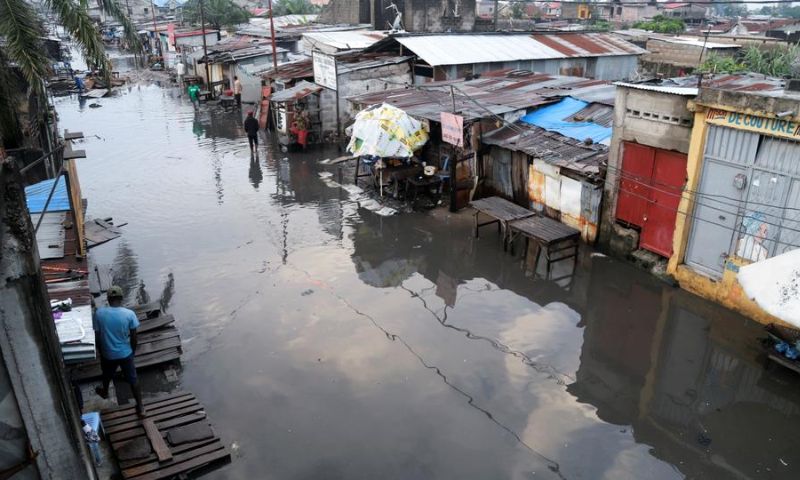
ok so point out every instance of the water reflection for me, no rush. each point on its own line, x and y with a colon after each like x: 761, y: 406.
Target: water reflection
x: 314, y: 327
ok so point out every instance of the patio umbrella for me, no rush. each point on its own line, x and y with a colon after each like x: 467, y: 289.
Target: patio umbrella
x: 386, y: 131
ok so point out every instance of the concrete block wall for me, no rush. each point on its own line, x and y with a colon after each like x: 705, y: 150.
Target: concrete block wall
x: 655, y: 119
x: 666, y: 52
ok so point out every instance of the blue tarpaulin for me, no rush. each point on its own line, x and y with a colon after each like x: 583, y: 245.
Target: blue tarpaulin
x: 36, y: 195
x: 552, y: 118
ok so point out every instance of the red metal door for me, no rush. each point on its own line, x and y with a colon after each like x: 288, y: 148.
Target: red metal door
x: 634, y: 186
x: 668, y: 180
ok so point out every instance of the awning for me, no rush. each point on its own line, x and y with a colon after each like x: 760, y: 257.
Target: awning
x: 301, y: 90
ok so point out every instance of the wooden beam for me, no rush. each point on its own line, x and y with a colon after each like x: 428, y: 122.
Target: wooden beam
x: 157, y: 441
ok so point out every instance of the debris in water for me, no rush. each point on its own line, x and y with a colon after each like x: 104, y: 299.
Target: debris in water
x: 783, y: 463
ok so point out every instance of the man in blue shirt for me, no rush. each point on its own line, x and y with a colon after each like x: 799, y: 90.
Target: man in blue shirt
x: 115, y: 334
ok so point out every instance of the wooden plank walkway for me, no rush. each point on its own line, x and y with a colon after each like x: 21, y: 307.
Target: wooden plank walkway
x: 159, y: 342
x: 168, y: 417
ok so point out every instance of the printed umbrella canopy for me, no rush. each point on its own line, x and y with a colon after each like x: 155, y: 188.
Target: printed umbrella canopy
x: 386, y: 131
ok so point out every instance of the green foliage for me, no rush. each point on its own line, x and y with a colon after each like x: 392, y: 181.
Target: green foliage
x: 662, y: 24
x: 21, y: 30
x: 218, y: 13
x: 775, y: 61
x: 784, y: 10
x: 294, y: 7
x: 601, y: 26
x: 517, y: 10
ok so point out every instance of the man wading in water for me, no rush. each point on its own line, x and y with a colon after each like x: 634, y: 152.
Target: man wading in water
x: 251, y: 127
x: 115, y: 335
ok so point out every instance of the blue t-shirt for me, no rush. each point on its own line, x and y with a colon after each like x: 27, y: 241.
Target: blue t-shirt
x: 114, y: 325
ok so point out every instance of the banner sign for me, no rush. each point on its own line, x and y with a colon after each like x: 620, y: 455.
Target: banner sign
x: 743, y: 121
x: 324, y: 70
x: 452, y: 129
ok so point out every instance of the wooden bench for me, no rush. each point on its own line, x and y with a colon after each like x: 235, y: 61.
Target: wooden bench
x: 559, y: 242
x: 501, y: 211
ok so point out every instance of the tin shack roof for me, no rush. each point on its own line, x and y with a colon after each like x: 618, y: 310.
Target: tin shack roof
x: 348, y: 40
x: 492, y: 94
x: 301, y: 90
x: 240, y: 47
x: 469, y: 48
x: 551, y: 147
x: 300, y: 69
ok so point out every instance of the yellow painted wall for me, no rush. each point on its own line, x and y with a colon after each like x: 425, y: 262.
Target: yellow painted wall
x: 727, y: 290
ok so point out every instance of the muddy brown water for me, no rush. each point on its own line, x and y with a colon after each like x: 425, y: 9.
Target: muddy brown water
x: 329, y: 342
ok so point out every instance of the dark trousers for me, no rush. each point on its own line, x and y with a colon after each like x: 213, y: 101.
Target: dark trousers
x: 109, y: 368
x: 253, y: 141
x: 238, y: 98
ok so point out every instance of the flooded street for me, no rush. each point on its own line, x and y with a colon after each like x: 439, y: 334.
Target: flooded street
x: 329, y: 342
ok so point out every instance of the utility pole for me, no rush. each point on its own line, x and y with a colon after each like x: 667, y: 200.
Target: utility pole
x: 272, y: 33
x: 496, y: 12
x: 155, y: 31
x: 205, y: 48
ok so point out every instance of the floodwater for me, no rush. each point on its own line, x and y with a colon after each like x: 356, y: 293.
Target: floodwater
x: 329, y: 342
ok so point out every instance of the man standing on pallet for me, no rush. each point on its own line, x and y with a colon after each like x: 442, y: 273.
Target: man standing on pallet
x: 115, y: 335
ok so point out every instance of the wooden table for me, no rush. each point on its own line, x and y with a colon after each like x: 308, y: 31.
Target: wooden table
x: 558, y: 241
x: 502, y: 211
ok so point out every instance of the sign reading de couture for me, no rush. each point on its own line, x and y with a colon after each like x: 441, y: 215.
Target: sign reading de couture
x: 452, y: 129
x: 324, y: 70
x: 768, y: 126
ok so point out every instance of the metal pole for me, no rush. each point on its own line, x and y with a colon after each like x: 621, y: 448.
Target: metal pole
x: 205, y: 48
x: 272, y: 34
x: 155, y: 28
x: 496, y: 12
x: 454, y: 161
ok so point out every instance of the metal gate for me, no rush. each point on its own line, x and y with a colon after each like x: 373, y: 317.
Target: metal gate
x: 747, y: 200
x: 650, y: 190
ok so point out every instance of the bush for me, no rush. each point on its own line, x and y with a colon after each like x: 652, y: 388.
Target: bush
x: 662, y: 24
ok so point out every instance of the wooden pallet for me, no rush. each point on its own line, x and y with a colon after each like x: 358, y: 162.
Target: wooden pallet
x: 156, y: 346
x: 164, y: 414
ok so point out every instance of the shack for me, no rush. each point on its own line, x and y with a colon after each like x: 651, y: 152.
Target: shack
x: 236, y: 56
x: 451, y: 56
x: 552, y: 161
x: 286, y: 103
x: 485, y: 104
x: 349, y: 74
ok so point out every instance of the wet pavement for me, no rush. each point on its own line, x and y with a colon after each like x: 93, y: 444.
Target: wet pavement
x: 327, y: 341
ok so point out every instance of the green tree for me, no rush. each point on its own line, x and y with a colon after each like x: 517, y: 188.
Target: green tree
x: 295, y: 7
x: 517, y: 10
x: 218, y: 13
x: 662, y: 24
x: 21, y: 27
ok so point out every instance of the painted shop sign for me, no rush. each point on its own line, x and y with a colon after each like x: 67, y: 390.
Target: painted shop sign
x: 769, y: 126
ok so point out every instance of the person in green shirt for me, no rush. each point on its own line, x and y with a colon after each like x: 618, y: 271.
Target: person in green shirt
x: 194, y: 95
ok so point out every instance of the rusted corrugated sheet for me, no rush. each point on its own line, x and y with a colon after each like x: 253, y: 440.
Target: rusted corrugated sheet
x: 552, y: 147
x: 497, y: 93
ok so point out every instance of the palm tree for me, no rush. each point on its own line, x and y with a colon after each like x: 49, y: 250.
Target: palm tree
x: 21, y: 47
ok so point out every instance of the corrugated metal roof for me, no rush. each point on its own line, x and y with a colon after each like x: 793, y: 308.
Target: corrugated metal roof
x: 300, y: 90
x: 344, y: 40
x: 50, y: 236
x: 551, y: 147
x: 459, y: 49
x: 345, y: 67
x: 685, y: 91
x: 291, y: 71
x: 498, y: 92
x: 36, y: 196
x: 694, y: 42
x: 744, y: 82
